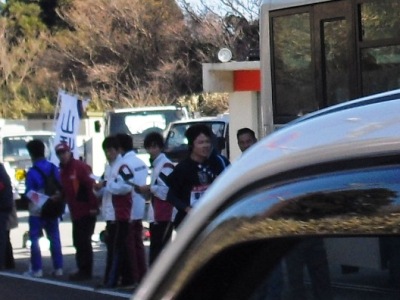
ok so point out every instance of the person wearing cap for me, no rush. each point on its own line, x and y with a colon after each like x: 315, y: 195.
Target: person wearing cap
x: 192, y: 176
x: 77, y: 182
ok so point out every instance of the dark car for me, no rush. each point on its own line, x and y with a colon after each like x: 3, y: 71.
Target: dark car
x: 310, y: 212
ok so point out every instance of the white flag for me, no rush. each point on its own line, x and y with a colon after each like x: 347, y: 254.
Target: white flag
x: 68, y: 121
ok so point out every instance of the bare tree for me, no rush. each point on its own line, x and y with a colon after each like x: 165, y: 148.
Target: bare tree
x: 118, y: 50
x: 236, y: 24
x: 19, y: 57
x: 247, y: 9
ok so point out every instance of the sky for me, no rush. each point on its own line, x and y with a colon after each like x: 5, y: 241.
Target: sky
x: 216, y: 6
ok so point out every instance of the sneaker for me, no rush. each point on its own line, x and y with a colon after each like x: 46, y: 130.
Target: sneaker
x: 34, y: 274
x: 57, y: 273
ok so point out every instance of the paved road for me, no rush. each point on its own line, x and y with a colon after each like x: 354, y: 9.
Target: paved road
x: 16, y: 286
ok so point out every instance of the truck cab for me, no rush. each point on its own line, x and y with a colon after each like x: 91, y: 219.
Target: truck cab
x: 15, y: 156
x: 140, y: 121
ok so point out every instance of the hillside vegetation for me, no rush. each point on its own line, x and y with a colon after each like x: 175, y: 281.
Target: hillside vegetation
x: 118, y: 53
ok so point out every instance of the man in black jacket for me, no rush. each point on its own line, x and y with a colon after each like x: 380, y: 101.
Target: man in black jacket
x: 192, y: 176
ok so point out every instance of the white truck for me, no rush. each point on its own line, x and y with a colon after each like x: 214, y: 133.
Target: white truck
x: 140, y: 121
x: 15, y: 156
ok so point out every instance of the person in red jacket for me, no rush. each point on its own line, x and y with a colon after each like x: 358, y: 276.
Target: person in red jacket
x: 83, y: 205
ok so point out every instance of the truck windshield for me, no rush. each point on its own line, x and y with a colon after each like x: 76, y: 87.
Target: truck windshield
x: 176, y: 135
x: 176, y: 144
x: 139, y: 123
x: 14, y: 147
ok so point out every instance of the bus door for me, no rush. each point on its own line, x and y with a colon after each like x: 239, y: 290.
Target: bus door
x: 335, y: 67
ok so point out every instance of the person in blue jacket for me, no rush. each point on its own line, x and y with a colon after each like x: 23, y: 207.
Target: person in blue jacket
x: 35, y: 182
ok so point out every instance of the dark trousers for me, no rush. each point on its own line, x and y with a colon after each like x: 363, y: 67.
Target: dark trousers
x: 3, y: 238
x: 137, y: 256
x: 160, y: 235
x: 82, y: 231
x: 9, y: 262
x: 117, y: 254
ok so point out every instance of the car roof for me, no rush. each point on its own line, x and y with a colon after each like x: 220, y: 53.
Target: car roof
x: 362, y: 130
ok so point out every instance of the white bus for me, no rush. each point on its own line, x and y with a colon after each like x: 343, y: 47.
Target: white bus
x: 316, y: 53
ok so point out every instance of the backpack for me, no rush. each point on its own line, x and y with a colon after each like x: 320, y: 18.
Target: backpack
x: 51, y: 209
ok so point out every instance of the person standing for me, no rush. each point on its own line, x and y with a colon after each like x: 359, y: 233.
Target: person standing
x: 192, y: 176
x: 161, y: 226
x: 245, y: 138
x: 6, y: 206
x: 136, y: 250
x: 83, y: 205
x: 35, y: 182
x: 116, y: 208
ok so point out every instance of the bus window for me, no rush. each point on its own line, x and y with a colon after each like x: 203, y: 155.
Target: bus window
x: 380, y: 59
x: 380, y: 69
x: 294, y: 75
x: 379, y: 20
x: 326, y: 52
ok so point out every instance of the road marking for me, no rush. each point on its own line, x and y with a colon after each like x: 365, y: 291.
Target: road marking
x: 69, y: 285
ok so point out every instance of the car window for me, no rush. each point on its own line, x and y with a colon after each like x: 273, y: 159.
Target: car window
x: 329, y: 234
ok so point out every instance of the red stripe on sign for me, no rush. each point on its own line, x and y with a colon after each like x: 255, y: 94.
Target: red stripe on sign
x: 246, y: 80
